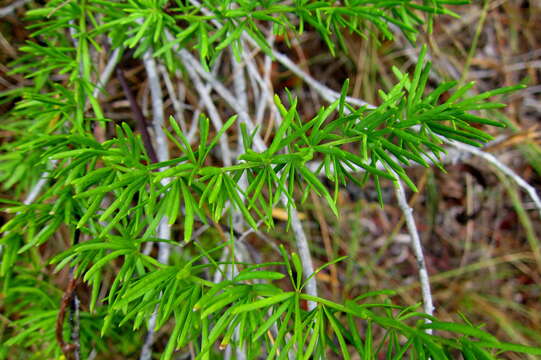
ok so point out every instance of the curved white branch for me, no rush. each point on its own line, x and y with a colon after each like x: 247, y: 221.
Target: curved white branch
x: 502, y: 167
x: 416, y: 246
x: 5, y: 11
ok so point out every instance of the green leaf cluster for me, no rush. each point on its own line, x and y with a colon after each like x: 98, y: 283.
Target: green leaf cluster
x: 115, y: 197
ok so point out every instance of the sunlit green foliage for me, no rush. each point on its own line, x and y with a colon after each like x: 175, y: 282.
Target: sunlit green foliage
x: 52, y: 125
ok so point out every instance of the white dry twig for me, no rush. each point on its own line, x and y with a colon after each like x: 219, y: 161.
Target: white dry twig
x: 212, y: 111
x: 5, y: 11
x: 325, y: 92
x: 330, y: 96
x: 190, y: 61
x: 416, y: 246
x: 500, y: 166
x: 239, y: 83
x: 300, y: 235
x: 107, y: 72
x: 304, y: 252
x: 177, y: 104
x: 266, y: 89
x: 302, y: 244
x: 36, y: 190
x: 162, y: 152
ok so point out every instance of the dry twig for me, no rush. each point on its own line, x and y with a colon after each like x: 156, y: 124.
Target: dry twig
x: 416, y: 246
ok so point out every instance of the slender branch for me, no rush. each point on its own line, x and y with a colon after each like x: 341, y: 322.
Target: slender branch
x: 146, y: 351
x: 304, y: 252
x: 241, y: 93
x: 158, y: 120
x: 36, y: 190
x: 300, y: 236
x: 5, y: 11
x: 502, y: 167
x: 253, y: 72
x: 107, y: 71
x: 239, y: 83
x: 177, y: 105
x: 296, y: 225
x: 138, y: 115
x: 266, y: 91
x: 214, y: 115
x: 67, y: 349
x: 265, y: 94
x: 197, y: 111
x: 416, y: 246
x: 70, y: 299
x: 325, y: 92
x: 254, y: 77
x: 162, y: 152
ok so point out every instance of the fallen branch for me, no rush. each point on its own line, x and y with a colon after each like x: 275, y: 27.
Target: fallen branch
x: 500, y: 166
x: 162, y: 152
x: 5, y: 11
x: 107, y: 72
x: 416, y: 246
x: 302, y: 243
x: 212, y: 111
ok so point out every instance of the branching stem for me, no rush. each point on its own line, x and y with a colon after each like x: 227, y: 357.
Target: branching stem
x: 302, y: 243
